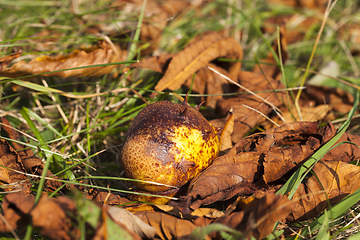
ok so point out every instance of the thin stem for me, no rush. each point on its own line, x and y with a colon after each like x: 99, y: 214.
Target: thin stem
x: 329, y: 7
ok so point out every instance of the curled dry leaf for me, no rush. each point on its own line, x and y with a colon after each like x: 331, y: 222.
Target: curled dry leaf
x: 258, y: 221
x: 49, y: 215
x: 245, y: 118
x: 261, y: 79
x: 346, y: 152
x: 339, y: 100
x: 197, y: 55
x: 57, y: 218
x: 5, y: 61
x: 166, y: 226
x: 208, y: 212
x: 309, y: 113
x: 104, y: 197
x: 12, y: 171
x: 31, y: 164
x: 331, y: 181
x: 225, y: 138
x: 258, y: 161
x: 156, y: 63
x: 101, y: 54
x: 132, y: 222
x: 15, y: 207
x: 225, y: 178
x: 209, y: 82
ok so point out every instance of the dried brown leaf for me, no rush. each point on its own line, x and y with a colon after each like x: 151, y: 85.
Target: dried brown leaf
x: 245, y: 118
x: 15, y: 210
x: 309, y: 113
x: 209, y: 82
x: 101, y: 54
x: 339, y: 100
x: 5, y: 61
x: 208, y: 212
x: 55, y: 218
x: 225, y: 140
x: 347, y: 151
x: 29, y: 161
x: 157, y: 63
x: 166, y: 226
x: 12, y: 170
x: 258, y: 161
x: 48, y: 215
x: 197, y: 55
x: 258, y: 221
x: 332, y: 181
x: 132, y: 222
x: 286, y: 147
x: 51, y: 217
x: 105, y: 197
x: 225, y: 178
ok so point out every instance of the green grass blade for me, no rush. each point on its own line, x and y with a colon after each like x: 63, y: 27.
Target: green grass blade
x: 334, y: 212
x: 323, y: 232
x: 132, y: 50
x: 44, y: 123
x: 354, y: 237
x: 59, y: 163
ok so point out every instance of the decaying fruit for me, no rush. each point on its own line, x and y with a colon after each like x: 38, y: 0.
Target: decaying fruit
x: 168, y: 143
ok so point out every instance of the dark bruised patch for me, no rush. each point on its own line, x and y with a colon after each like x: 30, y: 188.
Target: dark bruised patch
x: 159, y: 151
x: 183, y: 166
x: 163, y: 116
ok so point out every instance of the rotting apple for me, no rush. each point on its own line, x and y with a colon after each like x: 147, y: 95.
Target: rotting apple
x: 169, y: 144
